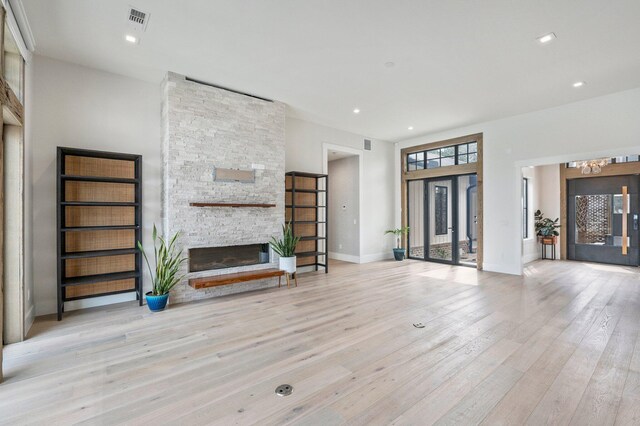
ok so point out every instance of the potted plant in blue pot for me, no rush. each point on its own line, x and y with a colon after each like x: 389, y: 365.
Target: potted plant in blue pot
x: 398, y: 252
x: 168, y: 261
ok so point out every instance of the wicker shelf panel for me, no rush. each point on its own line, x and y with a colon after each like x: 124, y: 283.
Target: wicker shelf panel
x: 302, y: 261
x: 302, y: 182
x: 100, y: 240
x: 301, y: 198
x: 305, y: 215
x: 99, y: 265
x: 99, y: 191
x: 100, y: 167
x: 99, y: 216
x: 305, y: 229
x: 304, y: 246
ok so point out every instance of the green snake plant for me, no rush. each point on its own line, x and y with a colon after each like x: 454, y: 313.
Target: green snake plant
x: 168, y: 261
x: 285, y: 247
x: 398, y: 232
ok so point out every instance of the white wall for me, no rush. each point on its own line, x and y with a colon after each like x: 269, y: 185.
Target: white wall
x: 549, y: 195
x: 79, y: 107
x: 594, y: 128
x: 344, y: 209
x: 29, y: 297
x: 304, y: 152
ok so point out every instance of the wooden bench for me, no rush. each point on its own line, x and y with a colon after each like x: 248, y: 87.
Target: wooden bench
x: 238, y: 277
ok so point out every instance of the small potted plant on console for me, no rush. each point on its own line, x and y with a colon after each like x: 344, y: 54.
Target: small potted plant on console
x: 398, y: 252
x: 168, y: 261
x: 546, y: 229
x: 286, y: 249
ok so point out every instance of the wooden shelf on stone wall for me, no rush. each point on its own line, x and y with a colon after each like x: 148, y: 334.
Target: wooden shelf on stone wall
x: 232, y: 205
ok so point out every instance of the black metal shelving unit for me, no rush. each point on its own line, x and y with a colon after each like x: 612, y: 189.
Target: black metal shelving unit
x: 306, y: 207
x: 91, y: 267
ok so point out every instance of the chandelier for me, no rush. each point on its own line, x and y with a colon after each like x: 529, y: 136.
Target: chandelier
x: 592, y: 166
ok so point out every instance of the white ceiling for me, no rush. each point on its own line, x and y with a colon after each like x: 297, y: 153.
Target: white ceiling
x: 457, y: 62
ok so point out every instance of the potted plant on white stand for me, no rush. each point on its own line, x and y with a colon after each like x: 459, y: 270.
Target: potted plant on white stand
x: 286, y: 249
x: 168, y: 261
x: 398, y: 252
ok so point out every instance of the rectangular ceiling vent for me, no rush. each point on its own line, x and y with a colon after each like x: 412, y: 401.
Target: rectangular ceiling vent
x: 138, y: 19
x: 367, y: 144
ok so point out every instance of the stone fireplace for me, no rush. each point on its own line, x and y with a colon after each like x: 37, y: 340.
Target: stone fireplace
x: 207, y: 128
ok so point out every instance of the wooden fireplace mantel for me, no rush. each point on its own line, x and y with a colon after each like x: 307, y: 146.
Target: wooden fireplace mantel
x: 231, y: 205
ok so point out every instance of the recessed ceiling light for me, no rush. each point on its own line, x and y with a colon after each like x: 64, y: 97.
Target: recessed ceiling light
x: 410, y: 127
x: 578, y: 84
x: 131, y: 39
x: 356, y: 111
x: 547, y: 38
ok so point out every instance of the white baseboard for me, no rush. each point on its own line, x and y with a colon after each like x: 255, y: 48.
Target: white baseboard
x: 376, y: 257
x: 527, y: 258
x: 500, y: 269
x: 361, y: 259
x: 344, y: 257
x: 28, y: 319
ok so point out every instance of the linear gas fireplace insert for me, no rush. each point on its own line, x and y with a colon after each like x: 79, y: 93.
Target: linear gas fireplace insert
x: 207, y: 258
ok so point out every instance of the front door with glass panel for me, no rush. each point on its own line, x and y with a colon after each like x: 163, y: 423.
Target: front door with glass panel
x: 602, y: 220
x: 443, y: 219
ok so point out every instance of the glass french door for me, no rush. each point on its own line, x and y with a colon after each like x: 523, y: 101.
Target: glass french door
x: 443, y: 215
x: 441, y: 220
x: 468, y: 218
x: 602, y: 220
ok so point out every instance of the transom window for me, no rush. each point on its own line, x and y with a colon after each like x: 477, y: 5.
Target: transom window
x: 441, y: 157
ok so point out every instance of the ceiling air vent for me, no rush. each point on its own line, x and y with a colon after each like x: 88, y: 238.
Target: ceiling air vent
x: 367, y: 144
x: 138, y: 19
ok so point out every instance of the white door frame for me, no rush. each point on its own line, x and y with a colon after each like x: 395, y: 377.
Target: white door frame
x: 326, y: 147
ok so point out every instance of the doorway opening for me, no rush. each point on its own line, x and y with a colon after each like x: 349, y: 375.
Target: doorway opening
x: 598, y: 210
x: 344, y: 167
x: 441, y: 200
x: 443, y: 219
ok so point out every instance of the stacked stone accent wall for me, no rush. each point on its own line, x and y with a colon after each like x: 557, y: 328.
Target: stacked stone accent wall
x: 206, y: 127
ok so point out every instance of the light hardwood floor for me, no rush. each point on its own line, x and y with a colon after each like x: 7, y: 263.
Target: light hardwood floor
x: 557, y: 346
